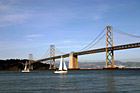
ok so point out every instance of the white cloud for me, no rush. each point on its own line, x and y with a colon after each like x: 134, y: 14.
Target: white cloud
x: 68, y: 41
x: 99, y: 11
x: 30, y: 39
x: 71, y: 46
x: 12, y: 19
x: 97, y: 17
x: 35, y: 35
x: 4, y: 7
x: 11, y: 15
x: 15, y: 17
x: 71, y: 42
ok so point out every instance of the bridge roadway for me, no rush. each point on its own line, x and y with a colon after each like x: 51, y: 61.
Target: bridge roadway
x: 119, y: 47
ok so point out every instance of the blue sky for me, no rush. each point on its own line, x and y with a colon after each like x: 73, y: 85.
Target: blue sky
x: 31, y: 26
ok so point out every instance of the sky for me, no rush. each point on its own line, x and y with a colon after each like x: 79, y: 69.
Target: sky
x: 31, y: 26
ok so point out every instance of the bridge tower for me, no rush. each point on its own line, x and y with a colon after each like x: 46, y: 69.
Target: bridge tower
x: 52, y: 54
x: 109, y: 53
x: 30, y: 57
x: 73, y: 63
x: 30, y: 60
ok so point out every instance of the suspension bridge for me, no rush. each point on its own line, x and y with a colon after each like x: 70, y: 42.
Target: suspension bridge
x: 73, y: 56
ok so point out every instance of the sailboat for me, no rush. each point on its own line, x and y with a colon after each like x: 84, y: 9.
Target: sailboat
x: 25, y: 68
x: 62, y: 67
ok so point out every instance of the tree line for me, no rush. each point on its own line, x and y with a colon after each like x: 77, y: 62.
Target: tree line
x: 18, y: 64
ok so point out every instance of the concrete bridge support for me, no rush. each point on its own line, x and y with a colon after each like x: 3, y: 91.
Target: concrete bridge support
x: 73, y: 61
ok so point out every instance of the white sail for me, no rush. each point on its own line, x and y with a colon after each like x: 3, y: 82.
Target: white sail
x: 61, y: 64
x: 25, y: 68
x: 64, y: 65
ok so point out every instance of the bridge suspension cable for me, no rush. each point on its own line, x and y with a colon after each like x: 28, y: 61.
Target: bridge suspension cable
x: 124, y: 33
x: 91, y: 44
x: 59, y: 51
x: 47, y: 53
x: 96, y: 42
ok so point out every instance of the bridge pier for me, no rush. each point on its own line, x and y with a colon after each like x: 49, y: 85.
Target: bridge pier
x: 73, y: 61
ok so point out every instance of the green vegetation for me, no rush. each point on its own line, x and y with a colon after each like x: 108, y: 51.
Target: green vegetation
x: 17, y: 64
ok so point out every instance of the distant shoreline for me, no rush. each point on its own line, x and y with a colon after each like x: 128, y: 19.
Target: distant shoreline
x: 109, y: 69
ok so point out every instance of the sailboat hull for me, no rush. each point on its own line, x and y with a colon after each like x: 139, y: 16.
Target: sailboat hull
x: 61, y: 72
x: 25, y: 70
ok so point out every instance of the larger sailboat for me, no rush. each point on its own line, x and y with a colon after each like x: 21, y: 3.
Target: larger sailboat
x: 62, y: 67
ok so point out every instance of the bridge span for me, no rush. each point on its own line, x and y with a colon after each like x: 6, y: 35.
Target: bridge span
x: 119, y: 47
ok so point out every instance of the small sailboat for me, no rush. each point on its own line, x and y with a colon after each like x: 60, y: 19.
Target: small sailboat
x: 62, y: 67
x: 25, y: 68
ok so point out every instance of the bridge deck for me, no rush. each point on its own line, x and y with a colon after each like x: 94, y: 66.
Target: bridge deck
x: 119, y: 47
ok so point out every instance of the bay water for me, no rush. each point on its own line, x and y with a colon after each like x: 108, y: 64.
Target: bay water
x: 75, y: 81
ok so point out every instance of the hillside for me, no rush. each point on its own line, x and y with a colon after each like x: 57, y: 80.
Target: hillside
x: 17, y: 64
